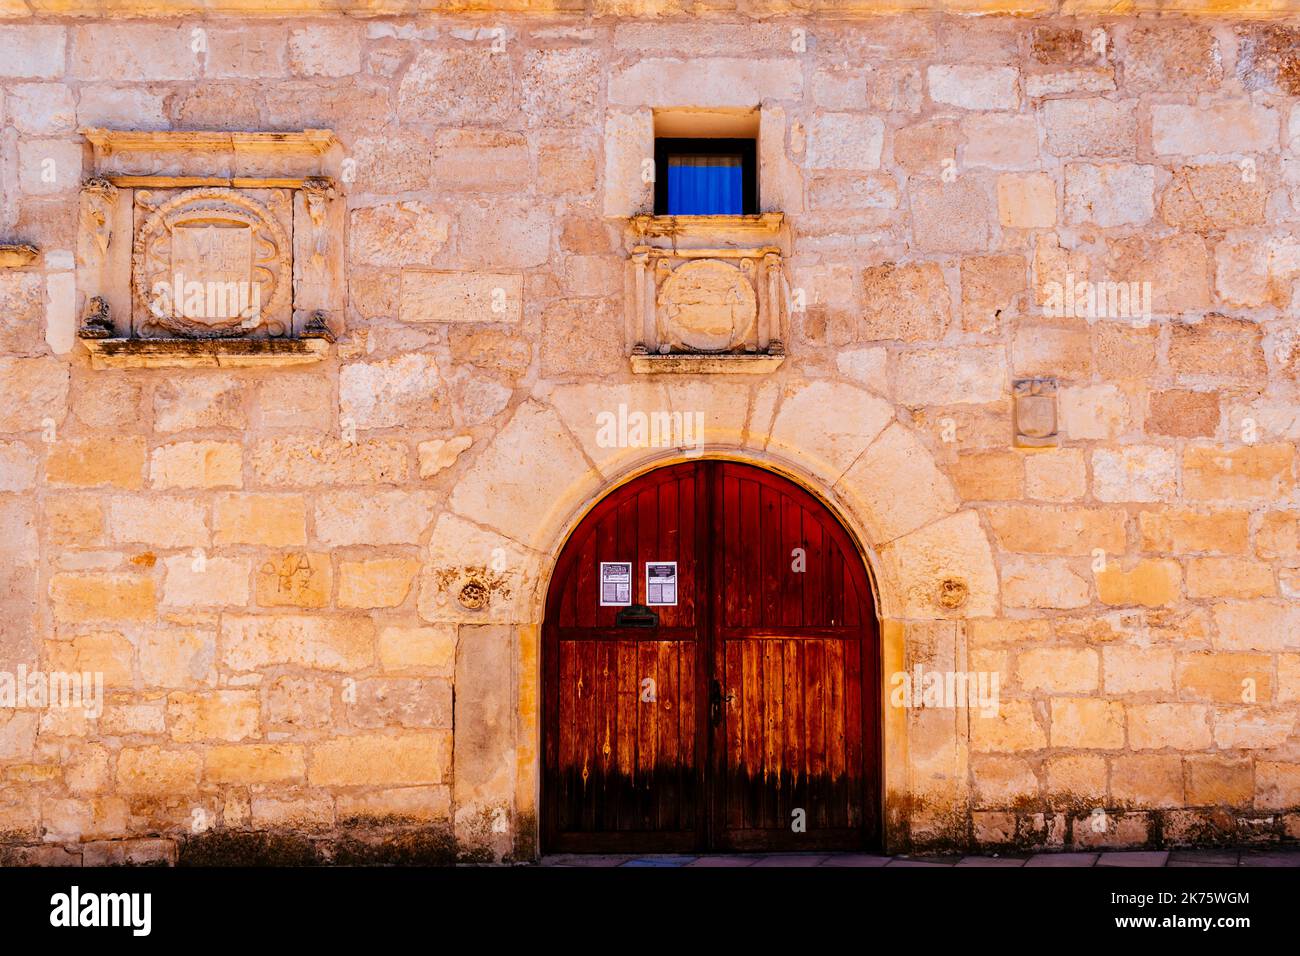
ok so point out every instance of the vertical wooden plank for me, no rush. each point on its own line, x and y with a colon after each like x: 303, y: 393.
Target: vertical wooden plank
x: 585, y: 726
x: 586, y: 586
x: 623, y: 795
x: 853, y: 744
x: 688, y: 562
x: 667, y: 546
x: 687, y: 676
x: 647, y: 725
x: 793, y: 779
x: 626, y: 536
x: 755, y: 715
x: 667, y: 752
x: 748, y: 579
x: 773, y: 566
x: 791, y: 518
x: 835, y: 593
x: 774, y: 729
x: 605, y: 548
x: 737, y: 713
x: 604, y: 706
x: 815, y: 710
x: 814, y: 584
x: 835, y: 762
x: 852, y: 600
x: 568, y: 758
x: 647, y: 539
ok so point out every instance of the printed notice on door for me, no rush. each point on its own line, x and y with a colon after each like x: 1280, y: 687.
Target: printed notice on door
x: 660, y: 582
x: 615, y: 583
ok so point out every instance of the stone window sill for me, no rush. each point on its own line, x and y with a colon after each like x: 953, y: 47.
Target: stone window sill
x: 701, y: 363
x: 739, y: 229
x: 203, y: 353
x: 15, y: 255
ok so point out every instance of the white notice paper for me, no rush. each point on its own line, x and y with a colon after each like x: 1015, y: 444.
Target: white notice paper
x: 615, y: 583
x: 660, y: 582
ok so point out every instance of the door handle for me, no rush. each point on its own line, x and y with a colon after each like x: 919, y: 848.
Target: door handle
x: 716, y: 702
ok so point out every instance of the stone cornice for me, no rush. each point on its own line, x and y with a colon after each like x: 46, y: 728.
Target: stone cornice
x: 11, y: 10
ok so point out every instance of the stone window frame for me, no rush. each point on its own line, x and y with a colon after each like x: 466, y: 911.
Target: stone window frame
x: 302, y: 164
x: 758, y: 244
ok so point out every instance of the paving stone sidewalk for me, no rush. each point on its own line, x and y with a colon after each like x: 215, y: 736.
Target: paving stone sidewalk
x: 1133, y: 858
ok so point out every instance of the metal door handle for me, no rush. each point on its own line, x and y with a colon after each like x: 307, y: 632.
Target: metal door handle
x: 716, y: 702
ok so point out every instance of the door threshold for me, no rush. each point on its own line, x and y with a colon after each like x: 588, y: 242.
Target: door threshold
x: 717, y: 860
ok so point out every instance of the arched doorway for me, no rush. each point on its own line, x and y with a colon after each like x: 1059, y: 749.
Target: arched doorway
x: 710, y: 672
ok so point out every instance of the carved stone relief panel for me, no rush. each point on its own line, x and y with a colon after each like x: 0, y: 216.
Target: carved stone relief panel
x: 706, y: 305
x: 236, y: 241
x: 706, y: 294
x: 212, y: 262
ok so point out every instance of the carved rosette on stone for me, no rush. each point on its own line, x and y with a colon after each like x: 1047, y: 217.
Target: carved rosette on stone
x: 706, y: 305
x: 211, y: 263
x: 702, y: 297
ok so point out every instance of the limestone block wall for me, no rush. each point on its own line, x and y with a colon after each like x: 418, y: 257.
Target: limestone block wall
x: 269, y: 566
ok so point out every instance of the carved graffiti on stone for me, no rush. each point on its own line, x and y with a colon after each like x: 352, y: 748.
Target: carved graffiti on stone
x: 707, y: 305
x: 212, y: 262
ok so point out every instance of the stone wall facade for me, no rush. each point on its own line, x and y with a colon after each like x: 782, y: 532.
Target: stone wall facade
x: 314, y: 593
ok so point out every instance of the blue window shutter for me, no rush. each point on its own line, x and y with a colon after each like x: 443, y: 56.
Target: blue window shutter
x: 705, y: 186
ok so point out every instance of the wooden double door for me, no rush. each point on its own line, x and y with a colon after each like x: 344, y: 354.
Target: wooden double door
x: 745, y: 715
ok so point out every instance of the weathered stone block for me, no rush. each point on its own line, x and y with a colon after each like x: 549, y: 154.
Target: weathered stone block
x: 382, y: 760
x: 1109, y: 195
x: 461, y: 297
x: 911, y: 302
x: 82, y: 598
x: 1058, y: 670
x: 218, y: 715
x: 342, y: 643
x: 35, y: 50
x: 951, y: 217
x: 417, y: 648
x: 322, y: 50
x: 154, y: 770
x: 206, y: 582
x: 94, y: 462
x: 1086, y: 723
x: 1057, y: 530
x: 1135, y: 473
x: 197, y: 464
x: 381, y: 582
x: 947, y: 376
x: 247, y: 764
x: 198, y: 400
x: 374, y: 518
x: 974, y: 86
x: 397, y: 234
x: 266, y: 519
x: 845, y: 141
x: 1161, y: 726
x: 1150, y: 582
x: 1230, y: 128
x: 399, y: 391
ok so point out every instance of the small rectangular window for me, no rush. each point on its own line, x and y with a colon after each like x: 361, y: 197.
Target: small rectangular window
x: 705, y: 177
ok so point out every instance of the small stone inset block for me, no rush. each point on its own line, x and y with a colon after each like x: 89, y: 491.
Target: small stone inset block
x: 1035, y: 413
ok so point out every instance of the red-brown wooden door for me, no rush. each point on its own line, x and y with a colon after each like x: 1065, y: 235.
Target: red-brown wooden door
x: 747, y: 717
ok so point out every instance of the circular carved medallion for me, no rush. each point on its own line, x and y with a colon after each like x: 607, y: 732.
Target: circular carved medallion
x: 211, y: 262
x: 708, y: 306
